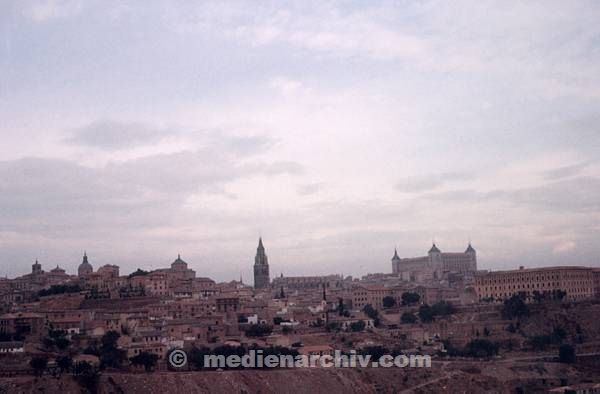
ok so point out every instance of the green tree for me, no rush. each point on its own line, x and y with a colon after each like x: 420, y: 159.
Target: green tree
x: 259, y: 330
x: 408, y: 318
x: 357, y: 326
x: 39, y: 364
x: 540, y: 342
x: 64, y: 363
x: 538, y: 297
x: 443, y: 308
x: 376, y: 352
x: 59, y: 289
x: 566, y: 354
x: 515, y: 307
x: 138, y: 272
x: 558, y: 295
x: 425, y: 313
x: 145, y: 359
x: 87, y: 376
x: 481, y: 348
x: 341, y: 307
x: 558, y: 335
x: 110, y: 355
x: 372, y: 313
x: 409, y: 298
x: 389, y: 302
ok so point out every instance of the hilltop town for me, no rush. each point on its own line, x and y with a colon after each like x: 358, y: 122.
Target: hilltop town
x: 103, y: 324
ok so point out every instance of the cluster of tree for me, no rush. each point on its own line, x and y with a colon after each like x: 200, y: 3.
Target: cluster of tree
x: 145, y: 359
x: 389, y: 302
x: 372, y: 313
x: 39, y: 365
x: 56, y: 339
x: 138, y: 272
x: 554, y: 295
x: 333, y: 326
x: 515, y: 307
x: 479, y: 348
x: 108, y: 352
x: 566, y: 354
x: 197, y: 355
x: 110, y: 355
x: 59, y: 289
x: 410, y: 298
x: 443, y: 308
x: 513, y: 328
x: 277, y: 320
x: 342, y: 308
x: 358, y: 326
x: 408, y: 318
x: 64, y: 363
x: 258, y: 330
x: 287, y: 330
x: 84, y: 373
x: 87, y: 376
x: 428, y: 313
x: 543, y: 342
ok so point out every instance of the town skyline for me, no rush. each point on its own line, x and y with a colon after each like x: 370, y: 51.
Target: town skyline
x: 246, y: 272
x: 140, y: 132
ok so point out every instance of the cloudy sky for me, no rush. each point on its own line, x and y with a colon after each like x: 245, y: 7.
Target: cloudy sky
x: 336, y: 130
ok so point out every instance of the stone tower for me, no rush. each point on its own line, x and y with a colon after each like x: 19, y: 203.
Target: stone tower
x: 395, y: 262
x: 436, y: 262
x: 36, y: 268
x: 473, y: 255
x: 261, y: 267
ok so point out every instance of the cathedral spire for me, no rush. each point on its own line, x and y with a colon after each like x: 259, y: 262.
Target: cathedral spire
x: 261, y: 267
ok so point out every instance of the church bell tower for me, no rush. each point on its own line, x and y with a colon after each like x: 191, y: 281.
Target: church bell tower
x: 261, y: 267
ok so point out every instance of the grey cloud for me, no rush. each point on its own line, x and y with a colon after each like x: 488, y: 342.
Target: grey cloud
x: 244, y: 145
x: 417, y: 184
x: 59, y: 196
x: 572, y: 195
x: 578, y: 194
x: 564, y: 172
x: 311, y: 188
x: 113, y: 135
x: 284, y: 167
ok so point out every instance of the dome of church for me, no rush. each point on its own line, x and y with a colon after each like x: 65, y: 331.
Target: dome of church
x: 85, y: 268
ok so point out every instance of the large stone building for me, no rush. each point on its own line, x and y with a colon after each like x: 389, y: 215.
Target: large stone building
x: 261, y: 267
x: 179, y: 270
x: 436, y: 265
x: 308, y: 282
x: 578, y: 283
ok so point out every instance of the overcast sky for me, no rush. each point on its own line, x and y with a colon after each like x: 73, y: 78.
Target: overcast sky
x: 336, y: 130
